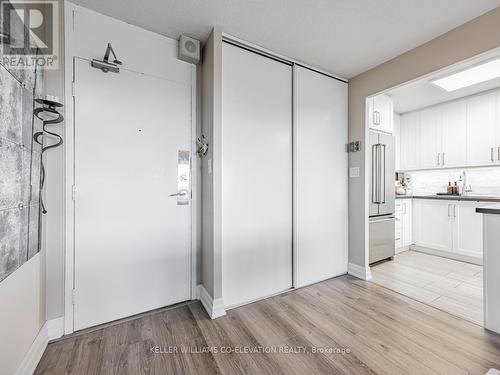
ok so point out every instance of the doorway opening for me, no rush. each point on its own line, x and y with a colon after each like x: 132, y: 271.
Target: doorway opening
x: 425, y: 236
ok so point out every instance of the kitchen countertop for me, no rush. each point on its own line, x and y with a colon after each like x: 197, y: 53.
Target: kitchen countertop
x: 471, y: 198
x: 495, y: 210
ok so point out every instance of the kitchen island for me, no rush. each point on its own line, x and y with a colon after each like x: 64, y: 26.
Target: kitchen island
x: 491, y: 261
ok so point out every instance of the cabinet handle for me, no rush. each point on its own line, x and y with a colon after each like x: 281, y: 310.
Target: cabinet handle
x: 438, y: 159
x: 492, y: 158
x: 498, y: 148
x: 442, y: 156
x: 454, y: 210
x: 449, y: 210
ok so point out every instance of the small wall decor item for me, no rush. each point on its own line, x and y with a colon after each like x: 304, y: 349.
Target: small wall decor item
x: 202, y: 146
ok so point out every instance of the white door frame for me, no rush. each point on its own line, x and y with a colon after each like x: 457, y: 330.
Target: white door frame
x: 69, y: 147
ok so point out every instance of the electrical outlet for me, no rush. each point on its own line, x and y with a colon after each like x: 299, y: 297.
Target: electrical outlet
x: 354, y: 172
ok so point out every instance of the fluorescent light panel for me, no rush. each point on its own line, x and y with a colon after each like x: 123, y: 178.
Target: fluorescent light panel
x: 469, y: 77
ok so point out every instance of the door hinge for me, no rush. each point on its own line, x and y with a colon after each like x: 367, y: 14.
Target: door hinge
x: 73, y: 88
x: 73, y: 296
x: 73, y: 192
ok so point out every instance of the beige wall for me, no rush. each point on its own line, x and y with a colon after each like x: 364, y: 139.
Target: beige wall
x: 211, y: 119
x: 473, y: 38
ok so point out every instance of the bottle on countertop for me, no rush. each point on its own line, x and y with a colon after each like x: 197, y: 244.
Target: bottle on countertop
x: 455, y: 189
x: 461, y: 185
x: 449, y: 188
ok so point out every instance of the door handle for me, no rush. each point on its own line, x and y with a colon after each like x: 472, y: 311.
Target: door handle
x: 374, y: 174
x: 382, y: 167
x: 179, y: 194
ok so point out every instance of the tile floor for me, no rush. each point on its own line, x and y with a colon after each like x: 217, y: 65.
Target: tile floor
x: 449, y: 285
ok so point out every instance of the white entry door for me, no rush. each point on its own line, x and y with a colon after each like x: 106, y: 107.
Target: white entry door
x: 132, y: 239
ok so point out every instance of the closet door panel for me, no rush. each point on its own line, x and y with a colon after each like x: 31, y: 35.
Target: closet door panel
x: 256, y: 176
x: 320, y: 210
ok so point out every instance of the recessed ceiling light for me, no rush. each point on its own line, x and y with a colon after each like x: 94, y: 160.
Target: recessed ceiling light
x: 469, y: 77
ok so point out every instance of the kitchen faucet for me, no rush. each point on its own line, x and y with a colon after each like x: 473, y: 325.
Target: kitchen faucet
x: 467, y: 188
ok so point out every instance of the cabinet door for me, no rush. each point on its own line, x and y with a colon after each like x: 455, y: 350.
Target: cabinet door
x: 398, y: 224
x: 429, y: 136
x: 498, y: 127
x: 454, y: 134
x: 468, y: 228
x: 433, y: 225
x: 383, y: 107
x: 481, y: 129
x: 397, y: 136
x: 407, y: 223
x: 409, y: 140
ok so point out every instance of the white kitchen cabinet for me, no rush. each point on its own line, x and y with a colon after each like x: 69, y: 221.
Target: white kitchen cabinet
x: 429, y: 135
x: 397, y: 138
x: 454, y: 134
x: 449, y: 226
x: 381, y: 113
x: 481, y: 132
x: 433, y: 224
x: 468, y: 225
x: 497, y: 127
x: 407, y: 223
x: 403, y: 225
x: 409, y: 143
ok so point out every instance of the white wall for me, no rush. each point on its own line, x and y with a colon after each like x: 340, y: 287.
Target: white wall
x: 22, y: 313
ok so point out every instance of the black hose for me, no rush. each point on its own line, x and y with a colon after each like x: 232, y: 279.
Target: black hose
x: 36, y: 137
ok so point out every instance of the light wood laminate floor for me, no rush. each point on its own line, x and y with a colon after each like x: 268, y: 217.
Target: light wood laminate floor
x: 371, y: 330
x: 449, y: 285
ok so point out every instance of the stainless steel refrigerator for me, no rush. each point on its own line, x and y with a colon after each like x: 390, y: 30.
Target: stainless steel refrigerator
x: 382, y: 196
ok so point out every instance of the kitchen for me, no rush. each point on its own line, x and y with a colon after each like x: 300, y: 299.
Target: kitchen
x: 440, y: 135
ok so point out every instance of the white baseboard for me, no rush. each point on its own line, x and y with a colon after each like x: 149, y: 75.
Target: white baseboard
x: 215, y: 307
x: 55, y: 328
x: 35, y: 353
x: 363, y: 273
x: 447, y: 254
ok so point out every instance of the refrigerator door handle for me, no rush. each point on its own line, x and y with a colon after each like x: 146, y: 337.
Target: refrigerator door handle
x: 382, y: 167
x: 374, y: 174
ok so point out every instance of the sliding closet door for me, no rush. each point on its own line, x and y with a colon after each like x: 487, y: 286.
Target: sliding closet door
x: 256, y: 175
x: 320, y: 177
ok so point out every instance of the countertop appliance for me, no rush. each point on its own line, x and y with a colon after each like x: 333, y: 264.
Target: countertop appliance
x: 382, y: 196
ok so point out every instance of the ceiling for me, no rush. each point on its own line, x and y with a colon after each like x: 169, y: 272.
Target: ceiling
x: 344, y: 37
x: 422, y: 93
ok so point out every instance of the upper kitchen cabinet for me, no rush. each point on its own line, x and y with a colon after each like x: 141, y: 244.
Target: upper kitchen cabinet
x: 454, y: 134
x: 481, y: 132
x: 410, y: 123
x: 381, y: 113
x: 498, y: 126
x: 429, y: 133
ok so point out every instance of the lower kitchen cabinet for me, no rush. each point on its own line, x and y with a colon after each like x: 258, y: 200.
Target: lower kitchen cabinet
x: 451, y: 227
x: 403, y: 230
x: 432, y: 227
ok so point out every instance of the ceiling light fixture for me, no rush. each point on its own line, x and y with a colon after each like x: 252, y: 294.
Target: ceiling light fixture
x: 476, y: 74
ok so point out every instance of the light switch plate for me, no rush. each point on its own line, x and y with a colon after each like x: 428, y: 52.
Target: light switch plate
x: 209, y: 166
x: 354, y: 172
